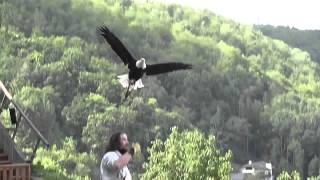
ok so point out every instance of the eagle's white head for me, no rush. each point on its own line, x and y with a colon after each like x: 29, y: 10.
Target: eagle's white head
x: 141, y: 63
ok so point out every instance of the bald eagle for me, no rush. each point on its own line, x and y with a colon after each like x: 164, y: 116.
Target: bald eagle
x: 137, y: 68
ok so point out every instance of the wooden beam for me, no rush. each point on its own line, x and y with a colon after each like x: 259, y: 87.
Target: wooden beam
x: 5, y: 91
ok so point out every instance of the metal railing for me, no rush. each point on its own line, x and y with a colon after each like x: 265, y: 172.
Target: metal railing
x: 6, y: 100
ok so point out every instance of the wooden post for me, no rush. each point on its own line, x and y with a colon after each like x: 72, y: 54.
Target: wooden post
x: 35, y: 150
x: 17, y: 126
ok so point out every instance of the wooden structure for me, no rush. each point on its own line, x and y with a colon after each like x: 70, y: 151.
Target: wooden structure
x: 14, y: 165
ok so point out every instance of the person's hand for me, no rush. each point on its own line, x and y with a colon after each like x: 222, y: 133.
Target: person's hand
x: 131, y: 151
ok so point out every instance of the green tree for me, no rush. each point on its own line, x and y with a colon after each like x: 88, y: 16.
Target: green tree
x: 313, y: 168
x: 187, y: 155
x: 286, y: 176
x: 64, y: 162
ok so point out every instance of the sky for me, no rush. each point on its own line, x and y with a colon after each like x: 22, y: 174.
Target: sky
x: 301, y: 14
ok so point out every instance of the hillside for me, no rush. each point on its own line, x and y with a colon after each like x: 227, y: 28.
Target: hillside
x: 307, y: 40
x: 258, y: 96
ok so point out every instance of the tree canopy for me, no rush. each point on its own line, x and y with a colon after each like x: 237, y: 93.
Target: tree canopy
x: 257, y: 96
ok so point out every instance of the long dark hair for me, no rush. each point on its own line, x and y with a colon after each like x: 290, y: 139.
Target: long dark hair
x: 114, y: 142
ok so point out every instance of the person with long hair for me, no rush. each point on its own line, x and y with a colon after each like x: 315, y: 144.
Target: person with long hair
x: 114, y: 162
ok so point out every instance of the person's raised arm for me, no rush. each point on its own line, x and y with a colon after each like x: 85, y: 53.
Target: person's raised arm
x: 124, y: 160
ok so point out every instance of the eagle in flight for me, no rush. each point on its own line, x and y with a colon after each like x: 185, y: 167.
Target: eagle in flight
x: 137, y: 68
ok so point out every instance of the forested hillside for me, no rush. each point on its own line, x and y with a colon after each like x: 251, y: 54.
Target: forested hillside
x: 308, y: 40
x: 258, y: 96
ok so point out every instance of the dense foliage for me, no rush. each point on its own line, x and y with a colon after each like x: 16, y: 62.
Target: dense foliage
x: 307, y: 40
x: 187, y: 155
x: 257, y: 96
